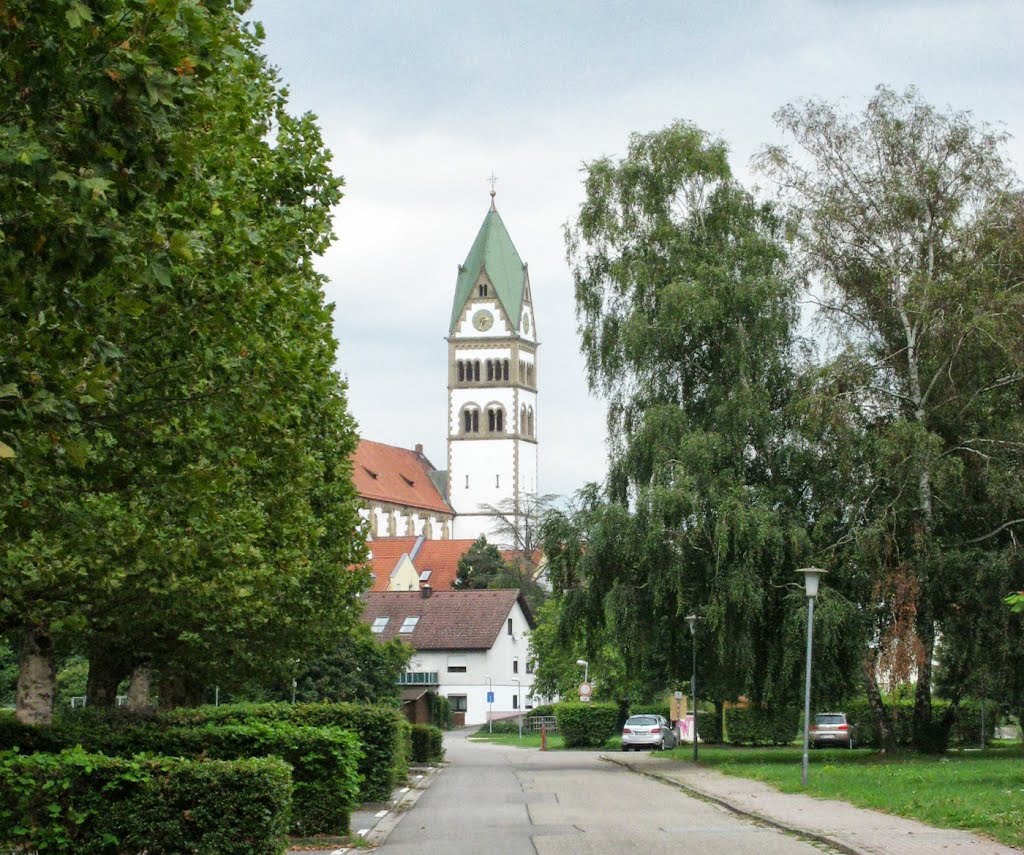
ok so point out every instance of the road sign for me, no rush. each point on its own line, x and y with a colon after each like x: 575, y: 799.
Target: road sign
x: 584, y: 689
x: 585, y: 698
x: 490, y: 697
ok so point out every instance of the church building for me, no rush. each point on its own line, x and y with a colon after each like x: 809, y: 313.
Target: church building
x: 492, y: 410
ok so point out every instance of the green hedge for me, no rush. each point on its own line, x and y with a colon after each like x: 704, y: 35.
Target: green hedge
x: 87, y: 804
x: 965, y: 733
x: 440, y: 710
x: 381, y: 730
x: 586, y: 725
x: 761, y: 725
x: 709, y: 727
x: 325, y: 759
x: 427, y: 743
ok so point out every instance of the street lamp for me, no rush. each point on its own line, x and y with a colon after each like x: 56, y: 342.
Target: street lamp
x: 586, y: 669
x: 812, y: 576
x: 519, y: 706
x: 691, y: 621
x: 490, y: 703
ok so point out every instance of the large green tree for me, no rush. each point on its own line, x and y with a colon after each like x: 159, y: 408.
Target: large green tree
x: 908, y: 236
x: 687, y: 317
x: 175, y: 439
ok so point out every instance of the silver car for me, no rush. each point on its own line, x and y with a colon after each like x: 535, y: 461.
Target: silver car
x: 832, y: 729
x: 647, y: 731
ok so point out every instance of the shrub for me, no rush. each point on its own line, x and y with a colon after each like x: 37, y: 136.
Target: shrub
x: 381, y: 730
x: 762, y: 725
x: 501, y: 725
x: 75, y: 802
x: 427, y: 743
x: 586, y: 725
x: 542, y: 709
x: 709, y: 727
x: 440, y: 711
x: 965, y: 732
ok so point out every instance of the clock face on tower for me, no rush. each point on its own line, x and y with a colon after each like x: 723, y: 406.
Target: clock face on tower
x: 483, y: 320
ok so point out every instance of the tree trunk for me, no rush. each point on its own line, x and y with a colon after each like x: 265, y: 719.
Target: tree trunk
x: 878, y: 711
x: 106, y: 671
x: 923, y: 692
x: 138, y: 688
x: 37, y: 678
x: 178, y: 691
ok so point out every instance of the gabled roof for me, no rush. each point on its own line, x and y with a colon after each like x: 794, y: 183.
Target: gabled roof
x: 387, y: 473
x: 448, y: 620
x: 494, y: 252
x: 385, y: 552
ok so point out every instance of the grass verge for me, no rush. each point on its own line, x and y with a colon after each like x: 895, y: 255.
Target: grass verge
x: 532, y: 740
x: 970, y: 790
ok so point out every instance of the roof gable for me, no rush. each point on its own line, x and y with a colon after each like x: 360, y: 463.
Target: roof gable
x: 494, y: 253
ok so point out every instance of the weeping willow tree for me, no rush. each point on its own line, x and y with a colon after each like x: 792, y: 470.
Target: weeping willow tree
x: 686, y: 314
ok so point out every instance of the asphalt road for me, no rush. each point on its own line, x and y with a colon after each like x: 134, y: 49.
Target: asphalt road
x: 492, y: 799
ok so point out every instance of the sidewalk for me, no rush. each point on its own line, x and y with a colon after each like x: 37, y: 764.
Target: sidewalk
x: 374, y: 822
x: 842, y: 826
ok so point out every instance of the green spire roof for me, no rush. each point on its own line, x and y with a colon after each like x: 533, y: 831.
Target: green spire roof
x: 493, y: 252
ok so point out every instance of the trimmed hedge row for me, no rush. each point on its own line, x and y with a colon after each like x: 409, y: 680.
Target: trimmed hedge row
x: 762, y: 726
x: 325, y: 759
x: 709, y: 727
x: 966, y: 731
x: 427, y: 743
x: 587, y: 725
x: 383, y: 732
x: 87, y: 804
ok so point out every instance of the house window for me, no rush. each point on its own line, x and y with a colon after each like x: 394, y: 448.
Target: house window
x: 515, y: 666
x: 379, y: 624
x: 497, y: 481
x: 456, y: 664
x: 515, y: 702
x: 467, y: 482
x: 458, y: 703
x: 409, y: 624
x: 509, y: 626
x: 425, y: 576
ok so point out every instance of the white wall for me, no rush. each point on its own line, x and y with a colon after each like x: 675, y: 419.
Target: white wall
x: 497, y: 662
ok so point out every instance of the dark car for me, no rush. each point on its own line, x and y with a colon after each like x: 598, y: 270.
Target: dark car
x: 832, y: 730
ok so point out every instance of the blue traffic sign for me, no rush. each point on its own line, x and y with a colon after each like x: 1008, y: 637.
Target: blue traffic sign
x: 490, y: 697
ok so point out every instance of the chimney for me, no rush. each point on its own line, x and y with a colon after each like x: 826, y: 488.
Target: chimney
x: 426, y: 591
x: 419, y: 448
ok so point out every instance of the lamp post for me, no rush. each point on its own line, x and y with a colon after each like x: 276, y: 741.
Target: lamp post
x: 490, y: 703
x: 691, y: 621
x: 812, y: 576
x: 519, y: 706
x: 586, y: 669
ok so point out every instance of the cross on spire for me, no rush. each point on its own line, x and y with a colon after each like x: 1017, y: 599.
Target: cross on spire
x: 493, y: 180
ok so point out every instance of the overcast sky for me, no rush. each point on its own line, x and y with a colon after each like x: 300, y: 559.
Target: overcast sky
x: 420, y: 101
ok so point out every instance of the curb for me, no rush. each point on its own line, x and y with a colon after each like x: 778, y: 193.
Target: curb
x: 691, y: 790
x: 410, y: 795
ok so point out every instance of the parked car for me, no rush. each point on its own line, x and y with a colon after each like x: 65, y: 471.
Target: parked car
x: 832, y: 729
x: 647, y: 731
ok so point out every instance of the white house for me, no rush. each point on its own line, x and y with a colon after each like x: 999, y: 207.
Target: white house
x: 466, y: 643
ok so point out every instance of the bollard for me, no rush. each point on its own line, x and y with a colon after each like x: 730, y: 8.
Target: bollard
x: 543, y: 738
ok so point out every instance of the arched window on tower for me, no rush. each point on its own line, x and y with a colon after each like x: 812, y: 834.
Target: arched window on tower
x: 522, y: 420
x: 490, y: 369
x: 476, y: 370
x: 462, y: 371
x: 496, y: 419
x: 504, y: 370
x: 470, y: 419
x: 482, y: 289
x: 529, y: 421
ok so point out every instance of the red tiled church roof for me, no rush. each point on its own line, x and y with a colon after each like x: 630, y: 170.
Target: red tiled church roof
x: 448, y: 620
x: 387, y: 473
x: 386, y: 551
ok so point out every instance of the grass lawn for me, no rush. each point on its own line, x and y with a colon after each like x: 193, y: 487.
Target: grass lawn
x: 974, y: 790
x: 532, y: 740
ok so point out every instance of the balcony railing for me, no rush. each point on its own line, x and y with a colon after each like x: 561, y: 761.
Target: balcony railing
x: 418, y: 678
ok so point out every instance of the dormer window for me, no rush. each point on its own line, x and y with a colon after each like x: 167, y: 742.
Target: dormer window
x: 379, y: 624
x: 409, y: 624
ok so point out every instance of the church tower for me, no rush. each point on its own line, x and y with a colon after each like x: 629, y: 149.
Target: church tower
x: 492, y: 383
